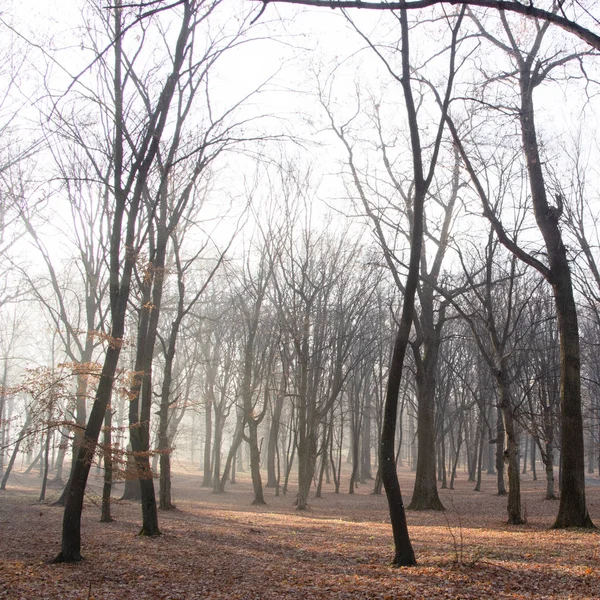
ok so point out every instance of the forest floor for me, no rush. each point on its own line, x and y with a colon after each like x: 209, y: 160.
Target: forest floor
x: 221, y: 547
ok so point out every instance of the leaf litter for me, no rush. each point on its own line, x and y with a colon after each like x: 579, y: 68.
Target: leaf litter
x: 221, y: 547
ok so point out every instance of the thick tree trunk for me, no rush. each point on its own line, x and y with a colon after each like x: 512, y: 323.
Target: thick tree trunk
x: 132, y: 483
x: 139, y: 421
x: 290, y: 452
x: 412, y: 449
x: 572, y: 511
x: 490, y: 457
x: 511, y: 454
x: 249, y: 401
x: 122, y: 259
x: 259, y: 497
x: 71, y: 534
x: 307, y: 456
x: 403, y: 551
x: 305, y: 411
x: 425, y: 493
x: 165, y: 499
x: 354, y: 399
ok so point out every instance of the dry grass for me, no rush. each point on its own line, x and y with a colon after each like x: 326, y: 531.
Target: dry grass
x: 218, y: 546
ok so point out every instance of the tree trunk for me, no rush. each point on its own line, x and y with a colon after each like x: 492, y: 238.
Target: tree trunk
x: 217, y: 442
x: 71, y: 532
x: 290, y: 451
x: 121, y: 264
x: 307, y: 456
x: 13, y: 457
x: 472, y: 451
x: 207, y: 466
x: 34, y: 462
x: 533, y: 459
x: 480, y: 452
x: 457, y: 448
x: 500, y: 437
x: 365, y: 455
x: 141, y: 388
x: 3, y: 421
x: 80, y: 419
x: 548, y: 458
x: 572, y: 511
x: 164, y: 447
x: 132, y: 484
x: 442, y: 452
x: 46, y: 464
x: 425, y: 493
x: 219, y: 487
x: 511, y: 454
x: 60, y: 459
x: 272, y: 444
x: 259, y: 497
x: 355, y: 462
x: 106, y: 517
x: 325, y: 454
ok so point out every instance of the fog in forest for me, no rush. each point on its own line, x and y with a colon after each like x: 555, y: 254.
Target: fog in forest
x: 274, y: 258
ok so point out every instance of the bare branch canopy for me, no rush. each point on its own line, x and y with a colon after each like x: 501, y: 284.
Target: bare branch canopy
x: 527, y: 10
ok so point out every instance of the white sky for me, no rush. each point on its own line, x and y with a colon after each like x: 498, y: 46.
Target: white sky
x: 303, y: 41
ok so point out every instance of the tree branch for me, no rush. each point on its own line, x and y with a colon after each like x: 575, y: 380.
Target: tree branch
x: 527, y: 10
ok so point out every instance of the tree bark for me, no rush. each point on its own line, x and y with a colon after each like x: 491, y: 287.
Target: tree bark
x: 46, y: 463
x: 71, y: 530
x: 365, y: 454
x: 106, y: 517
x: 572, y: 511
x: 511, y: 454
x: 121, y: 268
x: 272, y: 481
x: 425, y: 493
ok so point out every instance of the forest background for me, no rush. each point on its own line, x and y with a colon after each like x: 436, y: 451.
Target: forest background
x: 283, y: 239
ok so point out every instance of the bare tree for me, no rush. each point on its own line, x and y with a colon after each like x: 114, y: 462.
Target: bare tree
x: 580, y: 23
x: 422, y: 178
x: 530, y: 71
x: 128, y: 189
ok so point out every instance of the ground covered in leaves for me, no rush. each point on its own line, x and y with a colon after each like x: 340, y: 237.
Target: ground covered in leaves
x: 221, y: 547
